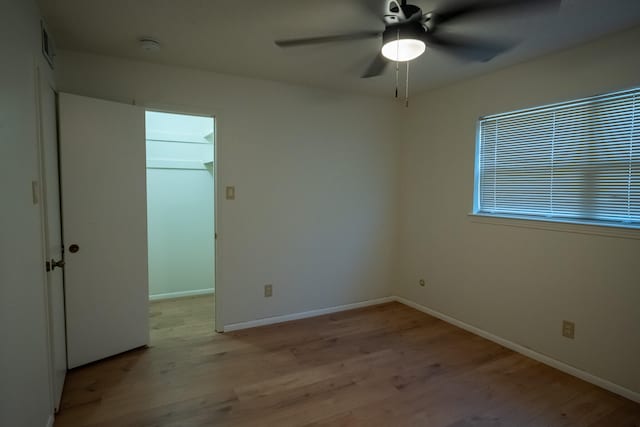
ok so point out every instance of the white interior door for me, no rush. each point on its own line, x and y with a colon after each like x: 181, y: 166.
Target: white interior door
x: 52, y: 236
x: 102, y: 165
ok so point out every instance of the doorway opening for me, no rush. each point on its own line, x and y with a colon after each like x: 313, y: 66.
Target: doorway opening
x: 180, y: 151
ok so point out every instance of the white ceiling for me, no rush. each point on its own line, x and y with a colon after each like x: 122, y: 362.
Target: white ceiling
x: 236, y: 37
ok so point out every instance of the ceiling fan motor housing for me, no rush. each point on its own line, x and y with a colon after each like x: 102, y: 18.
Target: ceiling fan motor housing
x: 396, y: 14
x: 409, y: 30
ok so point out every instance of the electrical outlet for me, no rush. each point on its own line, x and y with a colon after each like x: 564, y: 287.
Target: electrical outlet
x: 568, y: 329
x: 268, y: 291
x: 422, y: 283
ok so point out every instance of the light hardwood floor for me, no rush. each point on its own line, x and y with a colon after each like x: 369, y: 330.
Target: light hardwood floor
x: 388, y: 365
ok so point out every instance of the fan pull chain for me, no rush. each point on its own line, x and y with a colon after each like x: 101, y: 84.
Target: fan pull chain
x: 406, y: 99
x: 397, y: 63
x: 397, y: 77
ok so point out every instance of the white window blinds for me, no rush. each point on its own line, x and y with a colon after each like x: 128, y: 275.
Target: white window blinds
x: 577, y: 161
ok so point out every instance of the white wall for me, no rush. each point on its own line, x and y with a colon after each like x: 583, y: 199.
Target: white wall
x: 181, y: 231
x: 180, y: 205
x: 518, y: 283
x: 25, y: 399
x: 315, y: 178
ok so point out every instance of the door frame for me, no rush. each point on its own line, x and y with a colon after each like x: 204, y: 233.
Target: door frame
x: 44, y: 81
x: 218, y: 191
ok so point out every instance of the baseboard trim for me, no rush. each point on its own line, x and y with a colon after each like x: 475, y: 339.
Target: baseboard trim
x: 304, y: 314
x: 543, y: 358
x: 50, y: 421
x: 181, y: 294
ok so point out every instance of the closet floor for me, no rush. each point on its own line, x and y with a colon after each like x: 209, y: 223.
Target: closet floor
x: 180, y: 318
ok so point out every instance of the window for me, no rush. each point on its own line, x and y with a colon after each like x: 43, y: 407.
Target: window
x: 572, y: 162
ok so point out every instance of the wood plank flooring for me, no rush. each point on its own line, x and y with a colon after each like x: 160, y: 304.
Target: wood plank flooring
x: 181, y: 318
x: 388, y: 365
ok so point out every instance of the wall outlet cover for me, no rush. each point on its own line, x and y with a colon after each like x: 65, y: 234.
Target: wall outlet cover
x: 568, y: 329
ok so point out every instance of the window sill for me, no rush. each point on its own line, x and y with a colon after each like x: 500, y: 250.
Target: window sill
x: 567, y: 227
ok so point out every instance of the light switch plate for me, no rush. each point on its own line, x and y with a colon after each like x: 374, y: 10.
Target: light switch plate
x: 230, y: 193
x: 35, y: 192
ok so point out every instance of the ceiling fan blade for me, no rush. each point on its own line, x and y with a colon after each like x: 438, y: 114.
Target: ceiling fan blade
x: 361, y: 35
x: 465, y: 47
x: 376, y: 67
x: 465, y: 8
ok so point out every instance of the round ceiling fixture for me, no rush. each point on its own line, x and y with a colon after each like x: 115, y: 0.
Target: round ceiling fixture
x: 149, y: 44
x: 403, y: 50
x: 403, y: 43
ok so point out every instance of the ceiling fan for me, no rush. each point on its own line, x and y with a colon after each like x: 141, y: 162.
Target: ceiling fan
x: 408, y: 31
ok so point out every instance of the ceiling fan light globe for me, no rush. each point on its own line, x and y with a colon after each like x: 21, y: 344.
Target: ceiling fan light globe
x: 403, y: 50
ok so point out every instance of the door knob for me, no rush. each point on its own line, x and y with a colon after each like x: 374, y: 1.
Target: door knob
x: 74, y: 248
